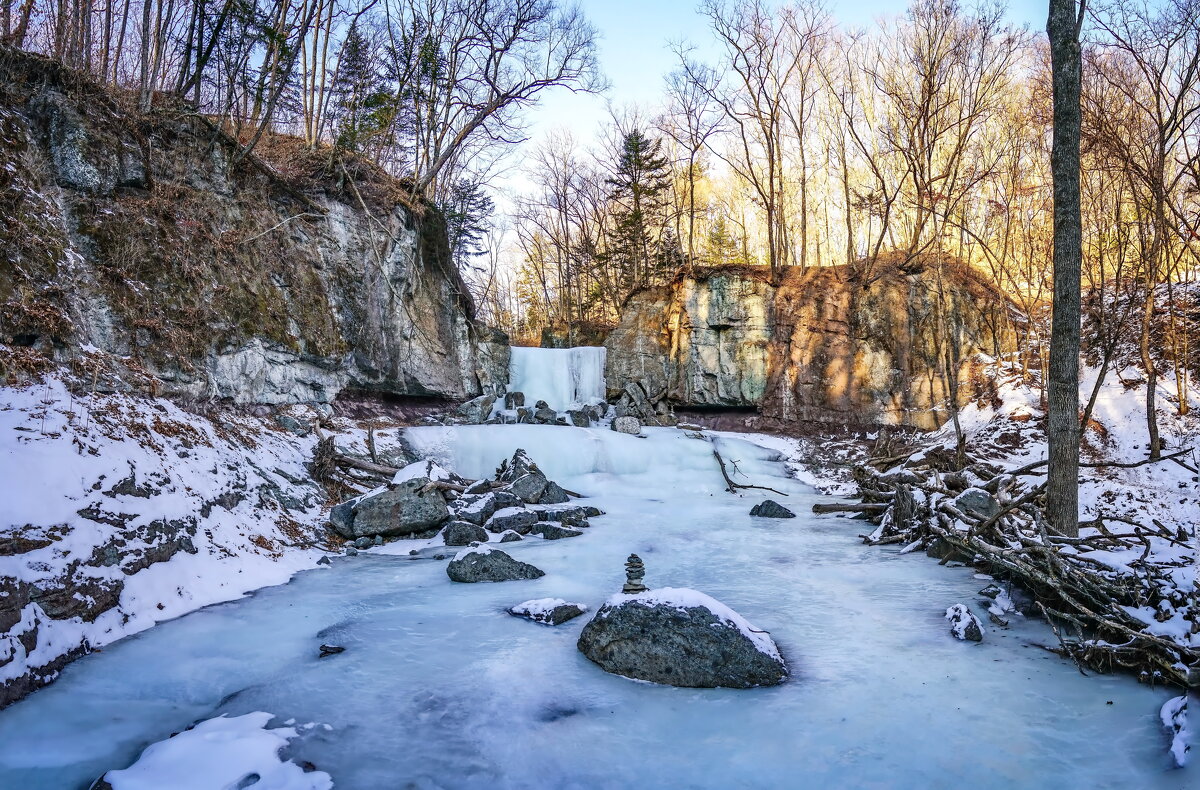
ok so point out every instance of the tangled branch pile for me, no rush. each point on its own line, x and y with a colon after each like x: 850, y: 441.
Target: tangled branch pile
x: 1120, y: 596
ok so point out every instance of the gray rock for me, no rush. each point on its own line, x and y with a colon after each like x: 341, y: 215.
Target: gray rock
x: 478, y: 487
x: 553, y: 531
x: 939, y: 549
x: 549, y: 611
x: 977, y: 502
x: 292, y: 425
x: 507, y: 499
x: 579, y: 417
x: 351, y: 551
x: 489, y: 565
x: 363, y: 543
x: 510, y: 536
x: 341, y: 518
x: 524, y: 416
x: 591, y: 511
x: 475, y: 508
x: 675, y: 645
x: 553, y: 494
x: 401, y: 510
x: 991, y: 591
x: 463, y: 533
x: 512, y: 518
x: 529, y: 487
x: 568, y: 515
x: 477, y: 410
x: 627, y: 424
x: 512, y: 468
x: 514, y: 399
x: 769, y: 508
x: 963, y: 624
x: 541, y: 405
x: 545, y: 416
x: 324, y: 561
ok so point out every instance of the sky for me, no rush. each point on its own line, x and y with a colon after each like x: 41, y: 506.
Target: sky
x: 635, y: 54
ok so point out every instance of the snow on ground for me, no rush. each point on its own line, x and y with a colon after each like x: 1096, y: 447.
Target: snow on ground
x: 221, y: 753
x: 1175, y: 721
x: 123, y: 511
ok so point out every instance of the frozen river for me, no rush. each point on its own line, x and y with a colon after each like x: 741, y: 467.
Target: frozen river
x: 439, y: 688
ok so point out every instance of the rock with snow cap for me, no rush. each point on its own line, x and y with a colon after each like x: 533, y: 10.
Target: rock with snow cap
x: 554, y: 531
x: 402, y: 509
x: 681, y: 637
x: 510, y: 536
x: 477, y: 410
x: 964, y: 624
x: 529, y: 487
x: 516, y: 519
x: 484, y: 564
x: 549, y: 611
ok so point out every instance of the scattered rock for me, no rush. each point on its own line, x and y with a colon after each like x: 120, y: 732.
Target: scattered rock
x: 293, y: 426
x: 553, y: 494
x: 484, y: 564
x: 510, y: 536
x: 324, y: 561
x: 402, y: 509
x: 991, y: 591
x: 351, y: 551
x: 963, y: 624
x: 331, y: 650
x: 552, y: 531
x: 463, y: 533
x: 524, y: 416
x: 630, y: 425
x: 579, y: 418
x: 680, y: 638
x: 475, y: 508
x: 516, y: 519
x: 545, y: 416
x: 363, y: 543
x: 939, y: 549
x: 771, y: 509
x: 551, y: 611
x: 541, y: 405
x: 477, y: 410
x: 514, y: 399
x: 977, y: 502
x: 529, y: 487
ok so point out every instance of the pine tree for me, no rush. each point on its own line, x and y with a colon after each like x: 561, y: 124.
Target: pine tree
x: 359, y: 96
x: 639, y: 186
x: 468, y: 210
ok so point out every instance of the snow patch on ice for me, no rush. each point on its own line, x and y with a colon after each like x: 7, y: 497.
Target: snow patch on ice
x: 1174, y: 718
x: 221, y: 753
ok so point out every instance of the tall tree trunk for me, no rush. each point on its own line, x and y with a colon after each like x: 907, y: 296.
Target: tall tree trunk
x: 1062, y: 424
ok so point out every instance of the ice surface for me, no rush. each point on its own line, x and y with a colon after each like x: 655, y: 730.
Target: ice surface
x: 439, y: 687
x: 563, y: 377
x: 220, y: 753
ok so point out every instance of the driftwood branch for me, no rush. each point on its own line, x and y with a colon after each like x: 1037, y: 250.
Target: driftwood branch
x: 731, y: 486
x: 851, y: 507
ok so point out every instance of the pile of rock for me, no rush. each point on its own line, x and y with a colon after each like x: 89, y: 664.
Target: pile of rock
x: 423, y: 499
x: 648, y: 409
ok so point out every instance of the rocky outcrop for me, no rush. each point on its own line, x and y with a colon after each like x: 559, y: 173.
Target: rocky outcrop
x: 202, y: 274
x: 818, y: 345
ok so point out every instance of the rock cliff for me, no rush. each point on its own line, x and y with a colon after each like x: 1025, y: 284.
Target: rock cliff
x: 214, y: 276
x: 818, y: 346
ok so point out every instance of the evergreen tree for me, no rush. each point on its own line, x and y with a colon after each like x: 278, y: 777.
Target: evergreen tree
x: 639, y: 189
x: 360, y: 101
x: 468, y: 211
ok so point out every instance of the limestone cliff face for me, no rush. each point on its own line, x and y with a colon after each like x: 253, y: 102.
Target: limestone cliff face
x: 215, y: 278
x: 818, y: 346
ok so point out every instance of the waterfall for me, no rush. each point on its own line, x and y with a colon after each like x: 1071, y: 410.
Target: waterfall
x: 563, y: 377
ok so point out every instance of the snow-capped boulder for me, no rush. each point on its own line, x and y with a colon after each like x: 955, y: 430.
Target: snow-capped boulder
x: 681, y: 637
x: 484, y: 564
x: 550, y: 611
x: 963, y: 624
x: 529, y: 487
x: 510, y: 536
x: 463, y: 533
x: 475, y: 508
x: 513, y: 518
x: 428, y: 470
x: 401, y: 509
x: 769, y: 508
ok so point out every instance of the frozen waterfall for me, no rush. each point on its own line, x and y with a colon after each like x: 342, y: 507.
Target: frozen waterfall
x: 563, y: 377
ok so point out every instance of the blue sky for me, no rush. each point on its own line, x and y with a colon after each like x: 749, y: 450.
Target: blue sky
x: 636, y: 56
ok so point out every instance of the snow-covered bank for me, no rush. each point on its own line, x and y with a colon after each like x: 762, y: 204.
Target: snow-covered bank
x: 123, y: 511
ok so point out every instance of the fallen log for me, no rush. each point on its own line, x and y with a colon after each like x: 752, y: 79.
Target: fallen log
x: 851, y: 507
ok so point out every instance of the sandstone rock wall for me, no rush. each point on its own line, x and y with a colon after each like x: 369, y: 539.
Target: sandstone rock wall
x: 215, y: 278
x: 817, y: 346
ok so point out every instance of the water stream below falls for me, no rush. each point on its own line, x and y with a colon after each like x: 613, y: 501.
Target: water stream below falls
x: 440, y: 688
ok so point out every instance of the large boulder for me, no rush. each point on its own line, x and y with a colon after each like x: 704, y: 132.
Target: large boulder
x: 402, y: 509
x: 681, y: 637
x: 977, y: 502
x: 553, y: 531
x: 550, y: 611
x: 475, y: 508
x: 484, y: 564
x: 529, y: 487
x: 630, y: 425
